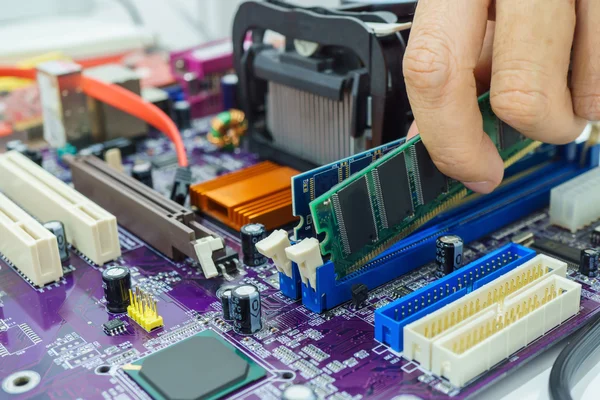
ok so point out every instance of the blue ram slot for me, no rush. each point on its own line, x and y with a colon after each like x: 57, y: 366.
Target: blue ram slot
x: 569, y: 153
x: 390, y: 320
x: 311, y: 184
x: 488, y: 214
x: 291, y: 286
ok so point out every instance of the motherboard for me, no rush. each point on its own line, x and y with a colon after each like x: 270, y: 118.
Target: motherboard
x: 59, y: 341
x: 263, y: 227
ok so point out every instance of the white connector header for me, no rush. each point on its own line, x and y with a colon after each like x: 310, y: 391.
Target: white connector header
x: 575, y: 203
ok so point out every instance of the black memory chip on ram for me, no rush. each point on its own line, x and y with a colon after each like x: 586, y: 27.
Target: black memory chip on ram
x: 508, y: 136
x: 354, y: 212
x: 432, y: 181
x: 395, y: 190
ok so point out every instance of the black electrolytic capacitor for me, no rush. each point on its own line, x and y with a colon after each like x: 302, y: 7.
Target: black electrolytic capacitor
x: 182, y: 115
x: 252, y: 234
x: 58, y: 229
x: 116, y: 282
x: 229, y: 87
x: 143, y: 173
x: 588, y: 262
x: 595, y: 239
x: 246, y: 309
x: 225, y: 296
x: 449, y: 253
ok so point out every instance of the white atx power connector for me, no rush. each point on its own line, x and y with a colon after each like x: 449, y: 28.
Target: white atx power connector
x: 574, y: 204
x: 492, y: 336
x: 273, y: 246
x: 308, y: 257
x: 89, y: 228
x: 420, y: 335
x: 30, y: 247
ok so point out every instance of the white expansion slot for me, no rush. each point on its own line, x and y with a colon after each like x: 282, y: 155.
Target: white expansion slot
x: 574, y: 204
x: 89, y: 228
x: 420, y: 335
x: 30, y: 247
x: 494, y: 335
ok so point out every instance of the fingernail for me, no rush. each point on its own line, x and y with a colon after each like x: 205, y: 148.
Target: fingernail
x: 412, y: 131
x: 480, y: 187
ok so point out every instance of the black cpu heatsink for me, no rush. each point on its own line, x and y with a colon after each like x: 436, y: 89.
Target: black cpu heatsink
x: 332, y: 89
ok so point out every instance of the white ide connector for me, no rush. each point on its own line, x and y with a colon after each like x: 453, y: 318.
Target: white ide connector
x: 492, y: 336
x: 89, y: 228
x: 420, y: 336
x: 574, y: 204
x: 30, y: 247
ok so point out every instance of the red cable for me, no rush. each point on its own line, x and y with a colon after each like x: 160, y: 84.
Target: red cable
x: 133, y: 104
x: 26, y: 73
x: 124, y: 100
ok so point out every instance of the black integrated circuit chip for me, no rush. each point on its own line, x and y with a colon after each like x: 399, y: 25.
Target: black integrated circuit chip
x: 433, y: 182
x: 401, y: 292
x: 200, y: 367
x: 509, y: 136
x: 114, y: 327
x: 357, y: 224
x: 395, y: 190
x: 557, y: 249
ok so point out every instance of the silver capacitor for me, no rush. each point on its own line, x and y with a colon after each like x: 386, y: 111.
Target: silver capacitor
x: 246, y: 309
x: 58, y: 229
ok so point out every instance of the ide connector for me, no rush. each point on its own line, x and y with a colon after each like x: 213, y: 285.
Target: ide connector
x: 469, y: 336
x: 420, y: 335
x: 488, y: 338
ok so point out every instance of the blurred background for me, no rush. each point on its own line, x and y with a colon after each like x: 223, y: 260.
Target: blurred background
x: 85, y: 28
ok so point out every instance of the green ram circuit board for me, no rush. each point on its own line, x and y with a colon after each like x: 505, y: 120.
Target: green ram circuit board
x: 394, y: 196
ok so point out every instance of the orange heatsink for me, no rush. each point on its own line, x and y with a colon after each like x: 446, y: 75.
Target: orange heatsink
x: 260, y: 193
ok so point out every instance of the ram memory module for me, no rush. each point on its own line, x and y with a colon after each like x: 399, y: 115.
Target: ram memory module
x: 311, y: 184
x: 395, y: 195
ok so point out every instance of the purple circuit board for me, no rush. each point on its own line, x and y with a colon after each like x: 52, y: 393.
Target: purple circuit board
x: 56, y: 332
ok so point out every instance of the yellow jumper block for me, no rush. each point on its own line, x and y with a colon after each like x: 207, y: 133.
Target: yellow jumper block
x: 143, y: 310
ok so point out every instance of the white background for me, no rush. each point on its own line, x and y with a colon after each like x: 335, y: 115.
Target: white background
x: 164, y: 17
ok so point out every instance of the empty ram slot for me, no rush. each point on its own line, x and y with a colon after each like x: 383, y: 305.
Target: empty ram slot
x: 493, y: 336
x: 420, y: 335
x: 89, y: 228
x: 27, y: 245
x: 391, y: 319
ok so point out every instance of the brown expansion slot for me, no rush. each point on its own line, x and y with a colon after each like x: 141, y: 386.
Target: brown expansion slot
x: 157, y: 220
x: 260, y: 193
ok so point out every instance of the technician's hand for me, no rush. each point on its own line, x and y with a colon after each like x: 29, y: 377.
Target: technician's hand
x: 454, y: 51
